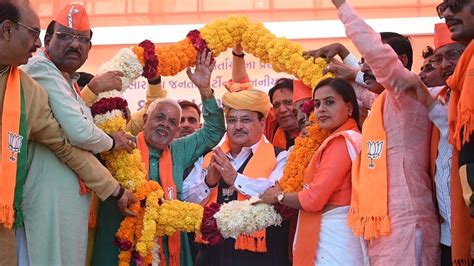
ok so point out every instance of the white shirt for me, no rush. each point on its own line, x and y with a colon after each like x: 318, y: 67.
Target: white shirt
x: 195, y: 188
x: 438, y: 114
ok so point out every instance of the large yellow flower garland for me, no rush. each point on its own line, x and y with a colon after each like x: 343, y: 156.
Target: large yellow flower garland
x: 139, y: 233
x: 282, y: 54
x: 300, y: 157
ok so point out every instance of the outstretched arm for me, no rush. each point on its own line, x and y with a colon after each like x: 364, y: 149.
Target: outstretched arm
x: 239, y: 72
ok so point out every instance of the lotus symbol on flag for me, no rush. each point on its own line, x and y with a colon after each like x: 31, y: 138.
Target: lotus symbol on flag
x: 14, y: 144
x: 374, y: 152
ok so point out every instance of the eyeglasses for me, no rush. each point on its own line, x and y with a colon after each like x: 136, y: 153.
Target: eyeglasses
x: 454, y: 5
x: 450, y: 55
x: 36, y: 32
x: 244, y: 120
x: 69, y: 37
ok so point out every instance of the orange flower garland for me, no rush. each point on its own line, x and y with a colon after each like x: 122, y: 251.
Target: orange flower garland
x: 282, y: 54
x: 299, y: 158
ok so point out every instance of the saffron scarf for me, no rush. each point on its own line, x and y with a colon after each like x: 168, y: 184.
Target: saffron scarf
x: 461, y: 119
x: 461, y: 106
x: 462, y: 224
x: 309, y: 223
x: 14, y: 153
x: 270, y: 125
x: 261, y: 164
x: 368, y: 216
x: 167, y: 182
x: 279, y: 139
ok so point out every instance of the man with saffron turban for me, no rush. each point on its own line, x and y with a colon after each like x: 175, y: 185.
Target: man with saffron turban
x: 244, y: 164
x: 166, y: 158
x: 281, y: 125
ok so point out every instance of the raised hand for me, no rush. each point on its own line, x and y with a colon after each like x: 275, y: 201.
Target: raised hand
x: 202, y: 73
x: 328, y: 52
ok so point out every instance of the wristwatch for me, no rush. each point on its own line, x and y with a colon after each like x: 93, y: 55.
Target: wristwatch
x: 280, y: 197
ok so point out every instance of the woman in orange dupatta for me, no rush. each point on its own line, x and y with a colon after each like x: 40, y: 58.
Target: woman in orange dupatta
x: 323, y: 237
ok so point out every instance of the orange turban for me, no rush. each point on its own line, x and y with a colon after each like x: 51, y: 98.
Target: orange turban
x: 442, y: 35
x: 300, y: 91
x: 74, y: 16
x: 243, y: 98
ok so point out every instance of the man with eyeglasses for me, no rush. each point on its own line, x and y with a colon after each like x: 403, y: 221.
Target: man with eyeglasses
x: 244, y: 164
x: 166, y: 158
x: 27, y: 120
x: 67, y: 44
x: 444, y: 59
x: 459, y: 17
x: 281, y: 125
x: 428, y: 75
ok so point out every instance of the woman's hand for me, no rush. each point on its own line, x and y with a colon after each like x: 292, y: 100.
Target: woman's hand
x: 270, y: 195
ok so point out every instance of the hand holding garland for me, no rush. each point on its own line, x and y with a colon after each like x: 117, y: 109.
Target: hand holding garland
x: 270, y: 196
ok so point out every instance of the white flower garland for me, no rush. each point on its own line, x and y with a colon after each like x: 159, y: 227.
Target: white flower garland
x: 98, y: 119
x: 237, y: 217
x: 126, y: 62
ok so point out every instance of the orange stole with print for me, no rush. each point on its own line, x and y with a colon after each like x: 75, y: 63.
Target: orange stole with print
x: 167, y: 182
x: 369, y: 216
x: 261, y: 164
x: 10, y: 127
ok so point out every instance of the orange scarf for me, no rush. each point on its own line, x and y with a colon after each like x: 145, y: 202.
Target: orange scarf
x: 307, y: 235
x: 368, y: 216
x: 279, y: 139
x: 167, y: 182
x: 270, y: 125
x: 462, y: 225
x: 461, y: 107
x: 261, y: 164
x: 10, y: 128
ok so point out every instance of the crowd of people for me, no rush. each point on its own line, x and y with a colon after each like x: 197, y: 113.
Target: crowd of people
x: 392, y: 183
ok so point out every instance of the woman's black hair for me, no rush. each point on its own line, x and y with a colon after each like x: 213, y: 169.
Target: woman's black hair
x: 345, y: 89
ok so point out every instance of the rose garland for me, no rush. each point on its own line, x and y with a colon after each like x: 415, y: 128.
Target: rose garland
x: 300, y: 157
x: 282, y: 54
x: 136, y: 235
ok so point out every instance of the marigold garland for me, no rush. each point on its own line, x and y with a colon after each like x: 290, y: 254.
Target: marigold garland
x: 299, y: 158
x: 175, y: 215
x: 136, y: 235
x: 282, y: 54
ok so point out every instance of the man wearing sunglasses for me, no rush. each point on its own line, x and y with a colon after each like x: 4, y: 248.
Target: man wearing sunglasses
x: 459, y: 17
x: 64, y: 225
